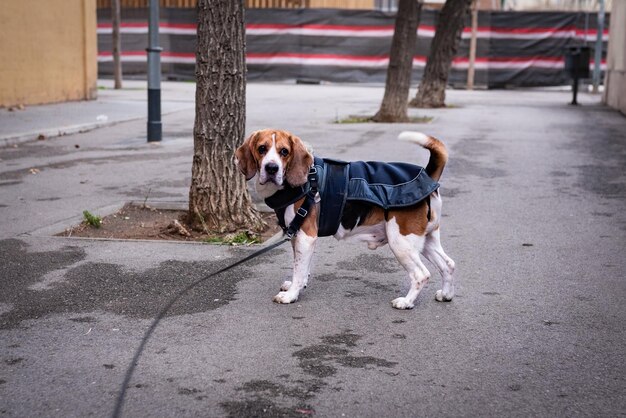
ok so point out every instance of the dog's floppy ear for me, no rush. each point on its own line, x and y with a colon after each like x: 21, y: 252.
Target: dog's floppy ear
x: 244, y: 158
x: 301, y: 160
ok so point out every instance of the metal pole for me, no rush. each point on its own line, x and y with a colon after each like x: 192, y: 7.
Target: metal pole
x: 575, y: 86
x: 117, y: 43
x: 598, y: 52
x: 154, y: 74
x: 472, y: 51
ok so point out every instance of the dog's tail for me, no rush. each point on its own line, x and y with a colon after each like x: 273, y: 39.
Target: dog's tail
x: 438, y: 151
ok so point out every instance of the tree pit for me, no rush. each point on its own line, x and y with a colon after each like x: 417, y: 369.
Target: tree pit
x: 144, y: 222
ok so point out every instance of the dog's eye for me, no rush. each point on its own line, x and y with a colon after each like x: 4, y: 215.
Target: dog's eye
x: 262, y: 149
x: 284, y: 152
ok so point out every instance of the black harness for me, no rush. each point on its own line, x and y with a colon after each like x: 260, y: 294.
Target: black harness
x: 288, y: 196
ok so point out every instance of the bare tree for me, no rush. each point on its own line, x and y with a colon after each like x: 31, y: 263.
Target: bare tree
x: 394, y: 105
x: 117, y: 43
x: 432, y: 88
x: 218, y: 198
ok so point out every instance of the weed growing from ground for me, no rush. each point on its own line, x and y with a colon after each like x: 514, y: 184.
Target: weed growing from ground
x: 242, y: 238
x: 92, y: 219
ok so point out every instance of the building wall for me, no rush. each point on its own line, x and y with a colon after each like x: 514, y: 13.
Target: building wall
x: 48, y: 51
x: 615, y: 82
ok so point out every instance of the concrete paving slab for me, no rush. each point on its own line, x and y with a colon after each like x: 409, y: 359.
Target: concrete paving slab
x: 534, y: 216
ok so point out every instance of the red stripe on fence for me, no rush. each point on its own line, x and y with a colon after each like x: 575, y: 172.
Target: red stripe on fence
x: 319, y: 56
x: 318, y: 27
x: 330, y: 59
x: 126, y: 25
x: 483, y: 31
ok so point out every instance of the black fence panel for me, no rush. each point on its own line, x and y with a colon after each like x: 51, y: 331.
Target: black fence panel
x: 513, y: 48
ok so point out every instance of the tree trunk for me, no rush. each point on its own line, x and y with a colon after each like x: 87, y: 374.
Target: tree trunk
x: 432, y: 88
x: 218, y: 197
x: 117, y: 43
x: 397, y: 85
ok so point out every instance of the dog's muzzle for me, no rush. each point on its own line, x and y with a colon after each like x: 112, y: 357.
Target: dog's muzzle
x: 271, y: 168
x: 271, y: 174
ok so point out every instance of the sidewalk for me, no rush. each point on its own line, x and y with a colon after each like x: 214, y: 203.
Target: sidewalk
x: 111, y: 107
x: 534, y: 215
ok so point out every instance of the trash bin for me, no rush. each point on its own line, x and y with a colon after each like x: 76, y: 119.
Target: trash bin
x: 577, y: 66
x: 577, y: 61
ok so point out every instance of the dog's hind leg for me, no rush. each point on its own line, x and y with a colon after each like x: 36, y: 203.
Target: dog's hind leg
x: 433, y: 251
x: 407, y: 248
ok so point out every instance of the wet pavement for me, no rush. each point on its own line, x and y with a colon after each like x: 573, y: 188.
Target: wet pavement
x: 534, y: 216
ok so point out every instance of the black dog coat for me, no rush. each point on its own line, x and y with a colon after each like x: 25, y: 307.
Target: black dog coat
x: 386, y: 185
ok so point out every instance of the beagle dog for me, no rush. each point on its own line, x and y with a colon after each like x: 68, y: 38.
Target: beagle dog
x: 280, y: 160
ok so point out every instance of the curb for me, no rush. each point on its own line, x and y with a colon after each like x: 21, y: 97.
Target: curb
x: 15, y: 139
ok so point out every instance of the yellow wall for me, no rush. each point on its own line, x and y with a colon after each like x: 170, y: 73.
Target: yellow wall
x: 48, y: 51
x: 615, y: 81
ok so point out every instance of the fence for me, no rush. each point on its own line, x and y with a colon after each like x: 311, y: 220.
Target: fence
x: 250, y: 4
x: 186, y: 4
x: 513, y: 48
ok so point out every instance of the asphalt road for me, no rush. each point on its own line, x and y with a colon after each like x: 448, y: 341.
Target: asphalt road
x: 534, y: 216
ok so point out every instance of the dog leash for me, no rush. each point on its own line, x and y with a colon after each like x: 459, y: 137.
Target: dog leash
x: 131, y: 368
x: 288, y: 234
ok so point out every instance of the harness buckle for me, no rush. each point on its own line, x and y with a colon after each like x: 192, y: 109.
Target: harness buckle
x: 289, y: 234
x: 302, y: 212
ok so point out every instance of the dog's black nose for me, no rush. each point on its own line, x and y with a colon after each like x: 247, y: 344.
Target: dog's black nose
x: 271, y: 168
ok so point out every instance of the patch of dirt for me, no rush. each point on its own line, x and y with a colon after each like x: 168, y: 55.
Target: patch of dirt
x: 145, y: 222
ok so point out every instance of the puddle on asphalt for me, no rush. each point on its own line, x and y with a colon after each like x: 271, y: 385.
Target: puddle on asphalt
x: 88, y: 287
x: 320, y: 361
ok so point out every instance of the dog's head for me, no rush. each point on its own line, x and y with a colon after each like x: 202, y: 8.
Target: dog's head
x: 278, y: 157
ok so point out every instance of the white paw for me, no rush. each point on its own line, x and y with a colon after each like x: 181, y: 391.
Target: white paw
x: 441, y: 297
x: 401, y: 303
x: 285, y: 286
x: 285, y: 297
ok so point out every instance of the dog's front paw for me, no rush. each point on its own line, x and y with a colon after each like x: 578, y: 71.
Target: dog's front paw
x: 287, y: 285
x: 401, y: 303
x: 443, y: 297
x: 285, y: 297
